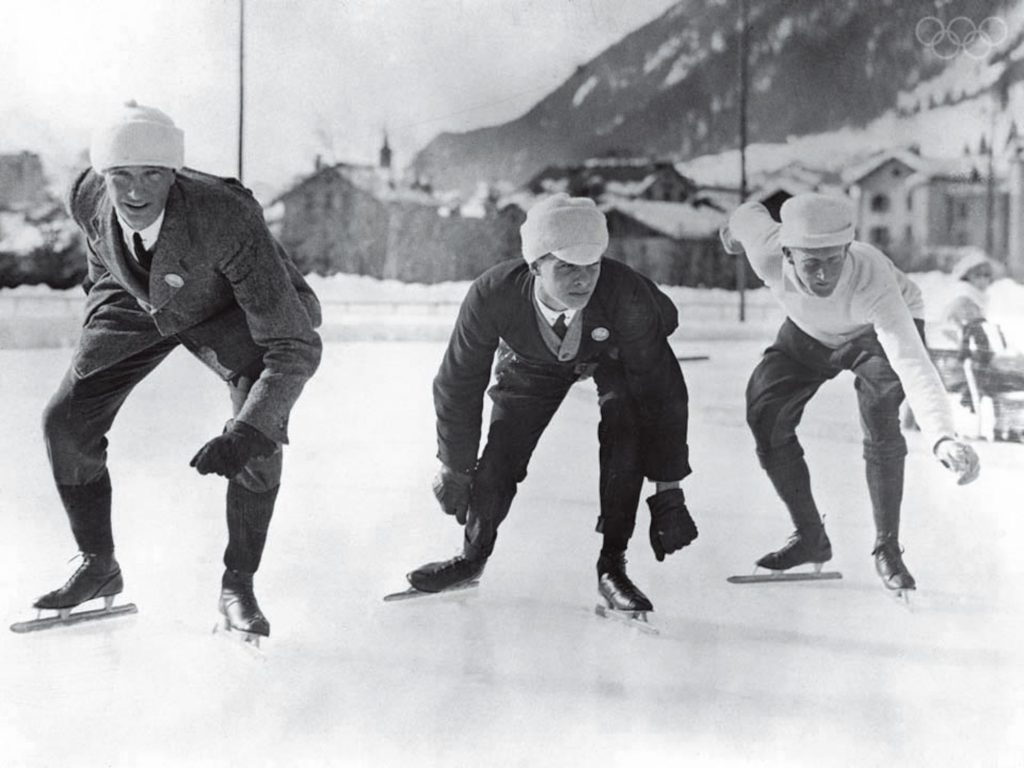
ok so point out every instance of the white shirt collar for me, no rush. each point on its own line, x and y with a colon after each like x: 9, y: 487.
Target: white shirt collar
x: 149, y: 235
x: 551, y: 315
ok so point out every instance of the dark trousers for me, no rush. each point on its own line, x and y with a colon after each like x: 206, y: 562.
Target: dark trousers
x: 75, y: 426
x: 525, y: 399
x: 790, y: 372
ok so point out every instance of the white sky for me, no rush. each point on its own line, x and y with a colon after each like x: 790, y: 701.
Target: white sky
x: 321, y: 75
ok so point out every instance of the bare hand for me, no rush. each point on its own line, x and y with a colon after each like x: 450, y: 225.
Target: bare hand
x: 960, y: 459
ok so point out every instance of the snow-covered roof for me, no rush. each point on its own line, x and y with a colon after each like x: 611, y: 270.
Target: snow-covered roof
x: 676, y: 220
x: 924, y: 167
x: 369, y: 178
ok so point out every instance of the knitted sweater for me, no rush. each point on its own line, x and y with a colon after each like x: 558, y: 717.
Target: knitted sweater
x: 871, y: 294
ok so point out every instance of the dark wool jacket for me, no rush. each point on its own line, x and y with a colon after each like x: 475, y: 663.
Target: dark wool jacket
x: 626, y: 322
x: 219, y: 283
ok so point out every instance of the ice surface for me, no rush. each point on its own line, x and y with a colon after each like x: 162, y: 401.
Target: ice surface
x: 523, y: 673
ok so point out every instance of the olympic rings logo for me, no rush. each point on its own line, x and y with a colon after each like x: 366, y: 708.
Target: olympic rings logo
x: 961, y: 35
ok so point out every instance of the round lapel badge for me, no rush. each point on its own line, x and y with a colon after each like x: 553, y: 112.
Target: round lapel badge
x: 173, y: 280
x: 599, y: 334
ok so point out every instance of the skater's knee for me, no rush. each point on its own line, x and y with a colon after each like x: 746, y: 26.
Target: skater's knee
x: 774, y: 455
x: 57, y: 422
x: 885, y: 451
x: 502, y: 477
x: 261, y: 475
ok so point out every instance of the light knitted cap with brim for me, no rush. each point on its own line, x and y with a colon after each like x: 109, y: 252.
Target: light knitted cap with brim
x: 812, y: 220
x: 571, y: 228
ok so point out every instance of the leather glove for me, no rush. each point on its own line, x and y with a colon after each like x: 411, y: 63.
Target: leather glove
x: 672, y: 528
x: 959, y: 458
x: 230, y: 451
x: 452, y: 489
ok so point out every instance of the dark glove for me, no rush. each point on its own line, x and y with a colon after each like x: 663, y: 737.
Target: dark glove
x: 672, y: 528
x: 452, y: 489
x: 229, y: 452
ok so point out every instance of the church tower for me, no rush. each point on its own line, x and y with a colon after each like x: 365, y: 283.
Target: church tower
x: 385, y: 154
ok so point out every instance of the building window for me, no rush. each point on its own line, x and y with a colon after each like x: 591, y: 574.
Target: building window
x: 908, y: 234
x: 950, y: 209
x: 962, y: 209
x: 910, y: 201
x: 880, y: 203
x: 880, y: 236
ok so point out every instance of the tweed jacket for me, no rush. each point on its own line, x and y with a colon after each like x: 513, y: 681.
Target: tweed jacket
x: 220, y: 284
x: 626, y: 323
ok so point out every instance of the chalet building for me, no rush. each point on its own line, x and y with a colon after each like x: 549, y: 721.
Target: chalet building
x: 671, y: 243
x: 22, y: 183
x: 915, y: 207
x: 358, y: 219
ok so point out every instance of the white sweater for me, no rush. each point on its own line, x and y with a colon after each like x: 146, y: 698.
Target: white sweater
x: 871, y: 293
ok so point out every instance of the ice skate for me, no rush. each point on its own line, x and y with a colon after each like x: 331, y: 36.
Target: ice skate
x: 241, y: 614
x: 623, y: 600
x: 99, y: 576
x: 446, y: 576
x: 800, y: 549
x: 891, y: 568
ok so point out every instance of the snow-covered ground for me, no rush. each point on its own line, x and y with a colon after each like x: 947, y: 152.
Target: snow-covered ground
x: 364, y: 308
x: 829, y: 674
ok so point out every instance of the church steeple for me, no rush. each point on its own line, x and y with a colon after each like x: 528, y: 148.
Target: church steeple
x: 385, y: 153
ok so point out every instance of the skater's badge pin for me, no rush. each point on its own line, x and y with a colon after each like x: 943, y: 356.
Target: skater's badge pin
x: 599, y: 334
x: 173, y: 280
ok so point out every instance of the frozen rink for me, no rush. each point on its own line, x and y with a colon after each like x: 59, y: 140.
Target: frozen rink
x: 522, y: 673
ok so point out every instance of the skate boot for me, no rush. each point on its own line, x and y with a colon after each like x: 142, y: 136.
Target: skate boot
x: 615, y: 587
x: 889, y: 564
x: 801, y: 548
x: 239, y: 607
x: 97, y: 576
x: 458, y: 572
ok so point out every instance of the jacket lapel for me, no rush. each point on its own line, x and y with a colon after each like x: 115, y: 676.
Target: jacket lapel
x: 114, y: 252
x: 169, y: 270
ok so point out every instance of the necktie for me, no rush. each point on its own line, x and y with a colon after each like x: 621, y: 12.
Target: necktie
x: 144, y: 257
x: 559, y: 326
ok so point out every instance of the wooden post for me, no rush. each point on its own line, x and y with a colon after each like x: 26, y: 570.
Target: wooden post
x: 741, y: 259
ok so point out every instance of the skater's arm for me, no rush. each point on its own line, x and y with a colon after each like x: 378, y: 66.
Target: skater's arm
x: 278, y: 322
x: 908, y: 357
x: 462, y: 380
x: 758, y: 233
x: 655, y: 382
x: 95, y: 268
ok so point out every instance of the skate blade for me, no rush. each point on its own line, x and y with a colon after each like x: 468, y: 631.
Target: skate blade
x: 249, y: 641
x: 769, y: 576
x: 635, y: 619
x: 460, y: 590
x: 67, y: 617
x: 902, y: 596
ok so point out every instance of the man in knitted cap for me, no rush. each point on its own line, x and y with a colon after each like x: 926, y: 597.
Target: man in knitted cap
x: 848, y: 308
x: 177, y: 257
x: 559, y: 315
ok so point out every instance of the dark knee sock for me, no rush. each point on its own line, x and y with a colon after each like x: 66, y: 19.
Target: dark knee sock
x: 88, y: 510
x: 248, y: 514
x: 792, y: 481
x: 885, y: 487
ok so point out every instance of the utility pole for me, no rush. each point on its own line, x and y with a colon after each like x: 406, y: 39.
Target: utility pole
x: 741, y: 259
x: 241, y: 83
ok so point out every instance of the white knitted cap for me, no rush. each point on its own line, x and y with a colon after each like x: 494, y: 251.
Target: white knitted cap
x: 974, y: 258
x: 137, y: 135
x: 812, y: 220
x: 571, y: 228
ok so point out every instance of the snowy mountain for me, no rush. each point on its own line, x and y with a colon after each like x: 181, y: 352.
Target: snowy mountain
x: 670, y: 88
